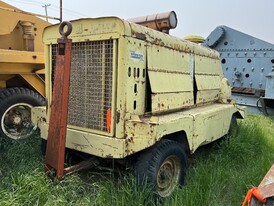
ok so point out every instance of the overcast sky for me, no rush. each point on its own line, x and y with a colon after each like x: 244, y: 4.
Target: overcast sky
x: 195, y: 17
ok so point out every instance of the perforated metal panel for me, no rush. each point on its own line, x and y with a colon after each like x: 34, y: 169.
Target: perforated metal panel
x: 90, y: 93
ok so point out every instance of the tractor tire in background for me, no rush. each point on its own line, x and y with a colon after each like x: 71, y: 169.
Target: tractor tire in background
x: 161, y: 167
x: 15, y: 112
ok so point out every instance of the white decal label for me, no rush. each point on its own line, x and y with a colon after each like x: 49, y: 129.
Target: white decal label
x: 136, y: 56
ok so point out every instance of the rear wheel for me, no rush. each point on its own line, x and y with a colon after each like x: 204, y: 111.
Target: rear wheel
x: 162, y: 167
x: 15, y: 112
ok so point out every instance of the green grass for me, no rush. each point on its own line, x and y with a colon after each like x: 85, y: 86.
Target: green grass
x: 217, y: 175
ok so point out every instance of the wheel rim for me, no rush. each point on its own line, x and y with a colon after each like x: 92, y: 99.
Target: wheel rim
x: 16, y: 121
x: 168, y: 176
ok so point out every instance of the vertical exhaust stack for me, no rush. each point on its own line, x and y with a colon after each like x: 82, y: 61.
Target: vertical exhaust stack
x: 161, y: 22
x: 28, y: 35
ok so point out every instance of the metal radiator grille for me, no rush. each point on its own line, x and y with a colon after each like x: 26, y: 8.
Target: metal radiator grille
x: 90, y: 91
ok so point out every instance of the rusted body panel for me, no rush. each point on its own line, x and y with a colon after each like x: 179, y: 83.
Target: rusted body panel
x: 197, y: 123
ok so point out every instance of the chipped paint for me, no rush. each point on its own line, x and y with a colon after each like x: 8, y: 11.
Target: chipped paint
x: 79, y: 146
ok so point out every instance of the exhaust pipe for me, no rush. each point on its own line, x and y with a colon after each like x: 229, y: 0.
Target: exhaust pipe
x: 161, y: 22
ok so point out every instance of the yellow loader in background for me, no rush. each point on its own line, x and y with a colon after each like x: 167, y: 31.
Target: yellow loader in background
x: 22, y: 84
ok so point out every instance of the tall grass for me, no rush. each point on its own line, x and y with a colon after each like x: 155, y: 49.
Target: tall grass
x: 217, y: 174
x: 222, y: 176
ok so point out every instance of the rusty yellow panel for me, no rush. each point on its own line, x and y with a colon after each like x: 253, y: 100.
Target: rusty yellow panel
x: 95, y: 144
x: 165, y: 81
x: 168, y: 70
x: 160, y: 39
x: 206, y: 96
x: 208, y: 82
x: 89, y: 29
x: 121, y: 88
x: 206, y: 65
x: 135, y: 69
x: 211, y: 123
x: 179, y: 121
x: 90, y: 143
x: 169, y: 101
x: 139, y: 136
x: 225, y: 91
x: 161, y: 58
x: 197, y: 123
x: 142, y: 134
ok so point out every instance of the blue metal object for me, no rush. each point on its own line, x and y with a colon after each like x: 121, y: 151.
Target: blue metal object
x: 248, y: 64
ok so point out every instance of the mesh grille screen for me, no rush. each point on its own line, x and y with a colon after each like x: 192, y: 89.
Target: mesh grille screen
x: 90, y: 91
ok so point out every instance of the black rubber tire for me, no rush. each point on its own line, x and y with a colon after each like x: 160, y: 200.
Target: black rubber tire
x: 150, y: 167
x: 18, y: 99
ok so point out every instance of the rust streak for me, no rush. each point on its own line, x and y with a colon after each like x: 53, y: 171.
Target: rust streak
x: 76, y: 146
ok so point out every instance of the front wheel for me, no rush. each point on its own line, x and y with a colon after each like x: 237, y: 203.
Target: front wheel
x: 162, y: 167
x: 15, y: 112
